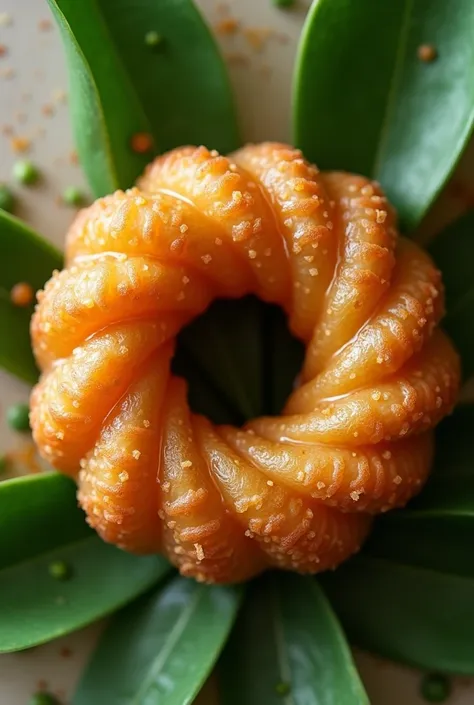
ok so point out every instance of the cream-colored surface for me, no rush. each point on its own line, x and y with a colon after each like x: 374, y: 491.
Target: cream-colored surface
x: 32, y: 76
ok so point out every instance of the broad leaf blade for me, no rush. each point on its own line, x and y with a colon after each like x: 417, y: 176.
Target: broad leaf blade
x: 453, y: 251
x: 161, y: 648
x: 436, y: 530
x: 421, y: 617
x: 25, y: 257
x: 45, y: 501
x: 178, y: 92
x: 288, y: 649
x: 40, y: 523
x: 365, y: 102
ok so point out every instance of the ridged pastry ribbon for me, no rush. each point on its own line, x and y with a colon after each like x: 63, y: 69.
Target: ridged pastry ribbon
x: 296, y: 491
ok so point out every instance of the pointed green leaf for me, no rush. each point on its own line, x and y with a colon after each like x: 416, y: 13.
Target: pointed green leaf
x: 406, y: 613
x: 288, y: 649
x: 161, y: 648
x: 40, y: 524
x: 177, y: 91
x: 25, y: 257
x: 453, y: 251
x: 437, y: 529
x: 365, y: 102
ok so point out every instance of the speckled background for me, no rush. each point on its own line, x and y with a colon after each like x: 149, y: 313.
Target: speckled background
x: 259, y: 42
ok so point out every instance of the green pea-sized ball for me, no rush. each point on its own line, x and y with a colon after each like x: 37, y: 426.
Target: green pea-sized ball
x: 72, y: 196
x: 59, y: 570
x: 435, y: 688
x: 153, y: 39
x: 18, y: 417
x: 25, y: 172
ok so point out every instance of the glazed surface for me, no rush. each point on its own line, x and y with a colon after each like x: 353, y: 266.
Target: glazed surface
x: 297, y: 491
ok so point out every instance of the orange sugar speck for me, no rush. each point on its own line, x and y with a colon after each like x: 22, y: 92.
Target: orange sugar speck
x: 427, y: 53
x: 22, y: 294
x: 141, y: 142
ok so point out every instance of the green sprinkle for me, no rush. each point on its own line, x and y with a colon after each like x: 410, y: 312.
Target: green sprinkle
x: 43, y: 699
x: 435, y: 688
x: 153, y: 39
x: 7, y: 201
x: 59, y: 570
x: 18, y: 417
x: 73, y: 196
x: 282, y: 688
x: 26, y: 173
x: 283, y: 3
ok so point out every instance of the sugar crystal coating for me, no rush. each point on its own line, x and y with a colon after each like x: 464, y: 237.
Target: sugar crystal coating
x: 356, y: 437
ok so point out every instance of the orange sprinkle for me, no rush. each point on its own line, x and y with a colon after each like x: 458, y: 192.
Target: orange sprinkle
x: 7, y: 72
x: 141, y: 142
x: 257, y: 38
x: 227, y: 26
x: 20, y: 144
x: 3, y: 50
x: 45, y: 25
x: 47, y: 109
x: 22, y: 294
x: 237, y: 58
x: 427, y: 52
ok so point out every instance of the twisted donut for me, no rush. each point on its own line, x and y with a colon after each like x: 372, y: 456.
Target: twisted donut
x: 355, y: 438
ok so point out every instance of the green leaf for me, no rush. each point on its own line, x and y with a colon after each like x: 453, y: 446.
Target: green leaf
x: 365, y: 102
x: 436, y: 530
x: 161, y: 648
x: 453, y: 251
x: 25, y: 257
x: 288, y: 649
x: 410, y: 596
x: 40, y: 523
x: 406, y: 613
x: 226, y: 343
x: 178, y: 92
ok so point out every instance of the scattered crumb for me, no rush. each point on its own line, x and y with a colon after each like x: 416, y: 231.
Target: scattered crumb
x: 141, y: 143
x: 266, y: 70
x: 222, y: 8
x: 45, y: 25
x: 3, y: 50
x: 257, y: 38
x: 42, y: 684
x: 59, y: 96
x: 74, y: 157
x: 20, y: 144
x: 48, y: 109
x: 20, y: 117
x: 427, y: 53
x: 7, y: 130
x: 227, y: 26
x: 7, y: 72
x: 22, y: 294
x: 5, y: 19
x: 237, y: 59
x: 65, y: 652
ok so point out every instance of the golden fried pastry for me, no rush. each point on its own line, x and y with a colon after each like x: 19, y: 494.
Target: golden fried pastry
x: 356, y: 437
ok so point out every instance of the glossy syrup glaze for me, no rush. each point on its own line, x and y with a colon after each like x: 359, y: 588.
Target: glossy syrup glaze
x: 356, y: 437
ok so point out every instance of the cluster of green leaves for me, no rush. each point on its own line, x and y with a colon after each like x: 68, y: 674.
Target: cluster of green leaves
x: 363, y: 101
